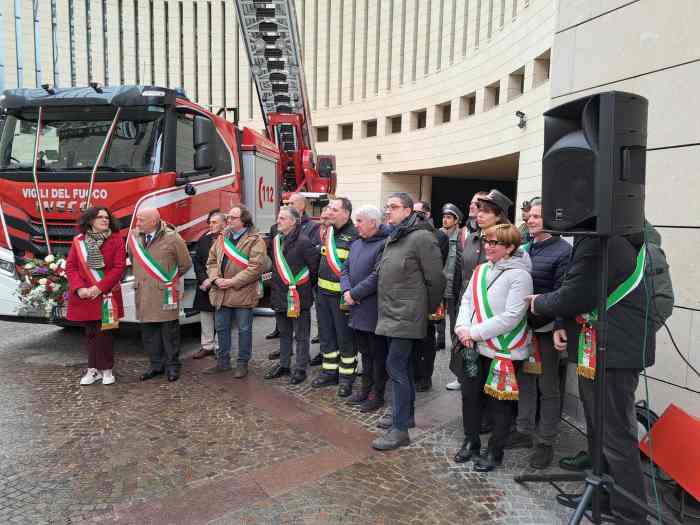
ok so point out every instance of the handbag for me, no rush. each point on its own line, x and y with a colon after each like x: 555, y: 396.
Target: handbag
x: 464, y: 362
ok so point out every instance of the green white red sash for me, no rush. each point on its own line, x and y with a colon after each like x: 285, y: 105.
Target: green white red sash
x: 501, y: 382
x: 237, y: 257
x: 231, y: 251
x: 289, y: 279
x: 587, y: 338
x: 332, y: 258
x: 156, y: 271
x: 109, y: 302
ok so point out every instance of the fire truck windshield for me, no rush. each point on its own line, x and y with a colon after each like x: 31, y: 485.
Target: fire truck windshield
x: 74, y: 145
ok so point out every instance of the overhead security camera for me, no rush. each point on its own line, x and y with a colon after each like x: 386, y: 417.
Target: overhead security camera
x: 523, y: 120
x: 519, y: 114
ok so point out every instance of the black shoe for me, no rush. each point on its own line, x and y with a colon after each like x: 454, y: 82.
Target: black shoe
x: 315, y: 341
x: 298, y: 376
x: 316, y: 360
x: 324, y: 380
x: 469, y: 449
x: 272, y: 356
x: 273, y: 335
x: 543, y: 456
x: 423, y: 385
x: 372, y: 403
x: 173, y: 376
x: 577, y: 463
x: 572, y: 501
x: 344, y: 389
x: 518, y: 440
x: 487, y: 463
x: 277, y: 371
x: 359, y: 397
x: 150, y: 374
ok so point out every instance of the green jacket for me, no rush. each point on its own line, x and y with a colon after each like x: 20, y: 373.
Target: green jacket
x: 411, y: 281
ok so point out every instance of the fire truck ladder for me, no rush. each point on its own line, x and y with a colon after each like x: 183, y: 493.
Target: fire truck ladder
x: 271, y: 37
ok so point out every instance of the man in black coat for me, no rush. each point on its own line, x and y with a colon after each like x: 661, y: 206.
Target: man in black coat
x: 217, y: 223
x: 295, y: 271
x: 424, y: 350
x: 626, y: 354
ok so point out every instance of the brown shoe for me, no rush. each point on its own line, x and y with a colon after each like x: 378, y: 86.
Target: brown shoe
x: 203, y: 352
x: 241, y: 371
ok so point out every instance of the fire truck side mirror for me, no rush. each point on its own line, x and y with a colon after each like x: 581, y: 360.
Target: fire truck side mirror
x: 203, y: 138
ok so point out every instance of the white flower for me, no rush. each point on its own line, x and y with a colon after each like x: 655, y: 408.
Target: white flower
x: 29, y: 266
x: 53, y: 267
x: 62, y: 263
x: 49, y: 258
x: 43, y: 281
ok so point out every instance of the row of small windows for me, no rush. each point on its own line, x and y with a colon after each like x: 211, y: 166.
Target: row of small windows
x: 443, y: 112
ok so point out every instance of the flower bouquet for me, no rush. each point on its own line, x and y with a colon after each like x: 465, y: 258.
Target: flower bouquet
x: 43, y: 287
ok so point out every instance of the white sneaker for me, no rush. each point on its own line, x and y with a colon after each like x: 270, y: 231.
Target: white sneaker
x: 454, y: 385
x: 92, y: 375
x: 107, y: 377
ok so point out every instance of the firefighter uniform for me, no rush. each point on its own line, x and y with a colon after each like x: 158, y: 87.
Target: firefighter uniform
x: 339, y: 353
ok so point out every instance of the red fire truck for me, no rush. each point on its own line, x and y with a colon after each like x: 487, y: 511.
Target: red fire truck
x: 132, y: 147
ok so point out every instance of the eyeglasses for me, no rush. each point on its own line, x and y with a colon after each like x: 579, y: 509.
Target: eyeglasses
x: 393, y: 207
x: 494, y: 242
x: 232, y: 217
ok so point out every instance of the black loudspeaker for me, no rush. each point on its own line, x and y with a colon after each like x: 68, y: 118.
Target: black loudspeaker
x: 594, y: 165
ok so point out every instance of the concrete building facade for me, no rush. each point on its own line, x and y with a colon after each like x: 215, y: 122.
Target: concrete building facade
x: 420, y: 96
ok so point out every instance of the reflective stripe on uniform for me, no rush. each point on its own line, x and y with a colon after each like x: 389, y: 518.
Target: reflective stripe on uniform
x: 347, y: 371
x: 342, y: 253
x: 331, y: 286
x: 348, y: 360
x: 331, y: 355
x: 329, y: 366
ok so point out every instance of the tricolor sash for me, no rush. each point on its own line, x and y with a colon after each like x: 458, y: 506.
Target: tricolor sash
x: 156, y: 272
x: 332, y: 258
x: 237, y: 257
x: 289, y: 279
x: 587, y: 337
x: 501, y: 382
x: 109, y: 302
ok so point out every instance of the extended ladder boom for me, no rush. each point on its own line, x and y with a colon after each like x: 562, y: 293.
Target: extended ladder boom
x: 271, y: 38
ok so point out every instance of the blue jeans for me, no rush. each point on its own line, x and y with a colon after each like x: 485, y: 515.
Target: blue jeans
x: 224, y: 321
x: 399, y: 365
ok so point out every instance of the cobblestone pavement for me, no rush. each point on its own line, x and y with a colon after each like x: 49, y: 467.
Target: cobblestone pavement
x: 212, y: 449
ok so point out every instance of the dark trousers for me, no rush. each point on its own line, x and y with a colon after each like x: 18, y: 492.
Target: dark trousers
x: 299, y: 330
x: 399, y: 365
x: 373, y: 349
x: 100, y: 346
x: 473, y: 405
x: 620, y: 445
x: 337, y: 347
x: 442, y: 325
x: 162, y: 342
x: 424, y: 355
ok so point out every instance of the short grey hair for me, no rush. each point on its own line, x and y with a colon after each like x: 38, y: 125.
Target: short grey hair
x: 370, y: 212
x: 292, y: 212
x: 405, y: 198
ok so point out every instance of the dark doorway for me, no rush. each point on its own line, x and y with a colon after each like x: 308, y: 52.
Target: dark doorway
x: 460, y: 191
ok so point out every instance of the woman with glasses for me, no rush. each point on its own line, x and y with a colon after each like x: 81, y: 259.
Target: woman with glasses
x: 493, y: 321
x: 94, y: 269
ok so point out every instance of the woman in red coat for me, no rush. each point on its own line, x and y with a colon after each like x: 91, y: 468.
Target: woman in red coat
x: 95, y: 266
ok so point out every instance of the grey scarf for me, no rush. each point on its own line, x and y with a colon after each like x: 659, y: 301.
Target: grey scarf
x: 93, y: 241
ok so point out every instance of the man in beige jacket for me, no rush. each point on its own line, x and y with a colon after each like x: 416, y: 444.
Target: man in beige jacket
x: 236, y: 262
x: 159, y: 257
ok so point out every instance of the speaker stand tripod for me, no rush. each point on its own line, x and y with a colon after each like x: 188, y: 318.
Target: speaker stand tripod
x: 596, y: 481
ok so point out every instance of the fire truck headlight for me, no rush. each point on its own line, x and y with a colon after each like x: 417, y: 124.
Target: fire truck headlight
x: 7, y: 267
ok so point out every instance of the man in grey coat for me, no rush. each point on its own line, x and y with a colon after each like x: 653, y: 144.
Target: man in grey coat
x: 410, y: 286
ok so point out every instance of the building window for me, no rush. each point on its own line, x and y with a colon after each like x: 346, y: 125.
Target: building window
x: 393, y: 124
x: 492, y: 96
x: 443, y: 113
x: 541, y: 69
x: 418, y: 119
x: 322, y: 134
x: 516, y: 83
x: 345, y: 131
x: 71, y: 42
x: 105, y: 42
x: 369, y: 128
x: 467, y: 105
